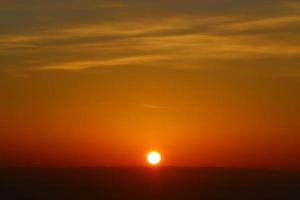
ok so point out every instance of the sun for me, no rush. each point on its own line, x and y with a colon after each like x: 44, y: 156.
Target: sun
x: 154, y: 158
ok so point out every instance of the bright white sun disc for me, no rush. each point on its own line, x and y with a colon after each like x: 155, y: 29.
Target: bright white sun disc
x: 153, y: 158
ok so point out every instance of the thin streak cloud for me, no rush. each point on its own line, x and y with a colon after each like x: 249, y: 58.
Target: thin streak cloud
x: 112, y: 5
x: 267, y: 23
x: 81, y: 65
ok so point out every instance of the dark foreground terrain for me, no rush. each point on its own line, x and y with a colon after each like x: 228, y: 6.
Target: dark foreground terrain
x: 134, y: 183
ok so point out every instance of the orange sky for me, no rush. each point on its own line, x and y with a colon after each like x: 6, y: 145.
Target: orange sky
x: 207, y: 83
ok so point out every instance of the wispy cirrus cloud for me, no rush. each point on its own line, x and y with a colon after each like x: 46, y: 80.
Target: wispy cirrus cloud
x: 185, y: 39
x: 113, y: 5
x: 80, y: 65
x: 293, y: 4
x: 265, y: 23
x: 116, y: 29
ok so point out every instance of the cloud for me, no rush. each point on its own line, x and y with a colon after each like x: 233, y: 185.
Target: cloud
x: 175, y: 108
x: 293, y: 4
x: 266, y: 23
x: 80, y: 65
x: 182, y: 40
x: 133, y: 28
x: 112, y: 5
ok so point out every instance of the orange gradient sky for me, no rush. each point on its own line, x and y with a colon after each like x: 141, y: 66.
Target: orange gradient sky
x: 205, y: 82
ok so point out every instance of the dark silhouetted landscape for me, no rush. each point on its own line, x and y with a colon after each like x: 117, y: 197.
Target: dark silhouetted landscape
x: 148, y: 183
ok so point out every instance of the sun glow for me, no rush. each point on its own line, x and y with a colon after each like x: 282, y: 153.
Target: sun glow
x: 154, y: 158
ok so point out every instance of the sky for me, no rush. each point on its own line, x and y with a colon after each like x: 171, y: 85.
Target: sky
x: 100, y: 83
